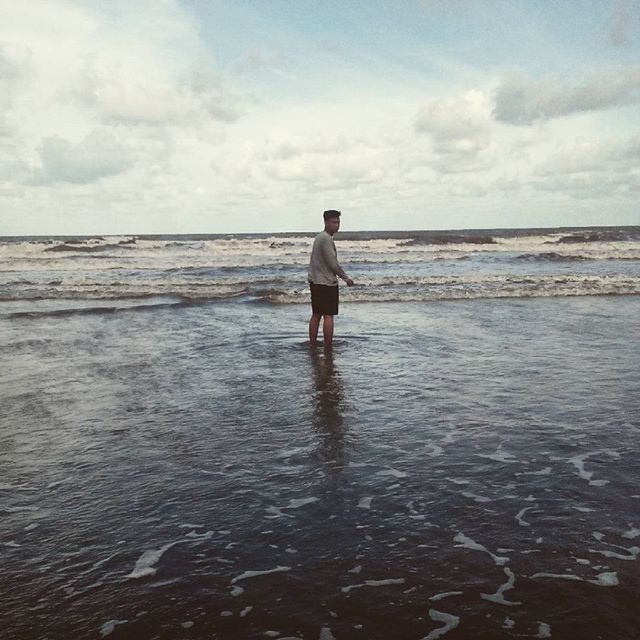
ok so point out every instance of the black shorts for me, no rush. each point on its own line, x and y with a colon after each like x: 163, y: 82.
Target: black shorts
x: 324, y: 299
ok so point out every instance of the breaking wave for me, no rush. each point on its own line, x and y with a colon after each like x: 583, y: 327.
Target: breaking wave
x: 450, y: 239
x: 523, y: 289
x: 107, y: 274
x: 552, y: 256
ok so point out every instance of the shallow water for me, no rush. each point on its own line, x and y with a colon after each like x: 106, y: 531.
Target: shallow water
x: 199, y: 472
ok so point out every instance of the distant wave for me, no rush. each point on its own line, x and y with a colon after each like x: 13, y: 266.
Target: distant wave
x: 373, y: 287
x: 450, y: 239
x: 200, y: 292
x: 596, y: 235
x: 552, y: 256
x: 87, y: 248
x: 281, y: 297
x: 74, y: 275
x: 99, y: 310
x: 445, y: 295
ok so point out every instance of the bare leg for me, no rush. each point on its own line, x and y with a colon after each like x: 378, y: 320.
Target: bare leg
x: 314, y: 324
x: 327, y: 330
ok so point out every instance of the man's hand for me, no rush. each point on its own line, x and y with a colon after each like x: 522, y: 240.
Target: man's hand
x: 349, y: 282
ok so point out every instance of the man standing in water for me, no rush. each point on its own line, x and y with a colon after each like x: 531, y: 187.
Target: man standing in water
x: 323, y: 272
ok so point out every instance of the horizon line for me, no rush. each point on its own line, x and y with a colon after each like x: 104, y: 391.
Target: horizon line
x: 253, y: 233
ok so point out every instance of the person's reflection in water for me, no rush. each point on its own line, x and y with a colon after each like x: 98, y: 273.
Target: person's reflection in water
x: 328, y: 408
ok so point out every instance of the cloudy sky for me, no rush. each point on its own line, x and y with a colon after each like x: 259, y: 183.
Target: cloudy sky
x: 197, y: 116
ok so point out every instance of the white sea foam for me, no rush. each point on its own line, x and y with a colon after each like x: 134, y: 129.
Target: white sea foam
x: 475, y: 497
x: 108, y: 627
x: 253, y: 574
x: 372, y: 583
x: 468, y: 543
x: 579, y: 461
x: 499, y: 456
x: 392, y: 472
x: 199, y: 536
x: 411, y: 507
x: 276, y: 512
x: 631, y: 553
x: 542, y: 472
x: 145, y: 564
x: 557, y: 576
x: 296, y: 503
x: 519, y: 518
x: 607, y: 579
x: 98, y: 564
x: 325, y: 634
x: 498, y: 596
x: 436, y: 450
x: 445, y: 594
x: 450, y: 622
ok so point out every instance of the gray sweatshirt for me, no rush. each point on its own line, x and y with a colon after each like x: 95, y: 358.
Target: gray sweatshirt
x: 323, y: 266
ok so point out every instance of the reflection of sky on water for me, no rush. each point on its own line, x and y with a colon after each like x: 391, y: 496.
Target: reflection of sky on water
x: 328, y: 407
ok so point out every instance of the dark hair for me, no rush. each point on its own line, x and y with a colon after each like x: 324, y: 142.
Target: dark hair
x: 330, y: 213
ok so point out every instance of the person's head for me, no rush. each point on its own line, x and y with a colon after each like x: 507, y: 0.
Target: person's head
x: 331, y: 221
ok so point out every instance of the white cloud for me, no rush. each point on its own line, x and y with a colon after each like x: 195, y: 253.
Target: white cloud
x: 624, y: 20
x: 14, y: 66
x: 140, y: 63
x: 125, y: 104
x: 459, y: 128
x: 137, y: 91
x: 590, y: 169
x: 521, y: 101
x: 118, y: 98
x: 589, y: 187
x: 98, y: 155
x: 592, y: 156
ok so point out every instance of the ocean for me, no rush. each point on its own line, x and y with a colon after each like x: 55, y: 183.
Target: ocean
x: 178, y: 462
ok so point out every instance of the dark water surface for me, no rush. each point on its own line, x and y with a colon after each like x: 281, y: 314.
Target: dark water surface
x: 460, y: 469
